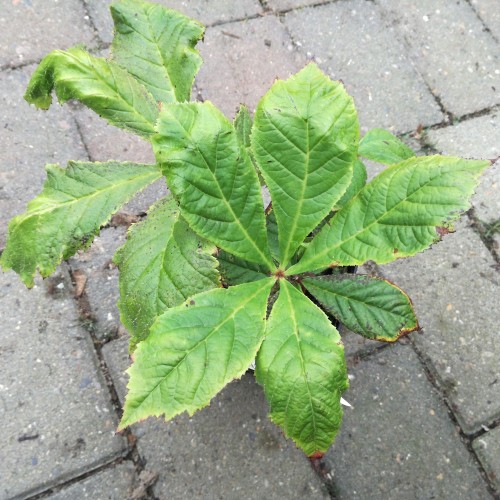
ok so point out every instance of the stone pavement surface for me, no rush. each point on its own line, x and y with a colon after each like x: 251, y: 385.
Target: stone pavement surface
x: 425, y: 413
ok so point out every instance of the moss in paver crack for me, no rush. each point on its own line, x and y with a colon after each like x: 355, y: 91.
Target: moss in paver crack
x: 190, y: 335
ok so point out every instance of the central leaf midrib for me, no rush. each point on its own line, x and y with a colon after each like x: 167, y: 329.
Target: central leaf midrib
x: 162, y: 58
x: 286, y: 257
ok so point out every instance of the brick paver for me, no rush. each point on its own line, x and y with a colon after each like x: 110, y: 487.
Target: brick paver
x: 205, y: 11
x: 450, y: 48
x: 352, y: 42
x: 460, y: 327
x: 242, y: 60
x: 115, y: 483
x: 31, y: 29
x: 399, y: 436
x: 57, y: 419
x: 488, y: 450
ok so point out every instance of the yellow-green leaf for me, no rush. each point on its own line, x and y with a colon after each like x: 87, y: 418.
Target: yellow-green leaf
x: 195, y: 349
x: 302, y: 368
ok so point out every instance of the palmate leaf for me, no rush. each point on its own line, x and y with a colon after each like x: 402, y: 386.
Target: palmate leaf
x: 398, y: 214
x: 213, y: 179
x: 101, y: 85
x: 65, y: 216
x: 156, y: 45
x: 372, y: 307
x: 381, y: 146
x: 195, y: 349
x: 162, y: 264
x: 304, y: 139
x: 302, y: 367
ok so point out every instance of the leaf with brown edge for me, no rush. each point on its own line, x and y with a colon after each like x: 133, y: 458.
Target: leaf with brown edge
x: 372, y: 307
x: 400, y: 208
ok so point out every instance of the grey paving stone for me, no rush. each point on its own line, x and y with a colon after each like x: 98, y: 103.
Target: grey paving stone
x: 283, y: 5
x: 487, y: 448
x: 357, y: 346
x: 116, y: 483
x: 205, y: 11
x: 30, y: 140
x: 476, y: 138
x: 229, y: 450
x: 397, y: 441
x: 455, y: 288
x: 57, y: 420
x: 351, y: 42
x: 489, y: 12
x: 101, y: 287
x: 32, y: 28
x: 243, y: 59
x: 105, y: 142
x: 457, y: 57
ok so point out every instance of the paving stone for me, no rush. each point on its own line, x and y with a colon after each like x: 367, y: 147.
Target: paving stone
x: 489, y: 13
x: 57, y: 419
x: 455, y: 288
x: 397, y: 441
x: 205, y: 11
x: 30, y: 139
x: 116, y: 483
x: 476, y: 138
x: 351, y: 42
x: 32, y: 28
x: 283, y: 5
x: 487, y: 448
x: 101, y: 287
x: 243, y: 59
x: 229, y: 450
x: 105, y: 142
x: 458, y: 58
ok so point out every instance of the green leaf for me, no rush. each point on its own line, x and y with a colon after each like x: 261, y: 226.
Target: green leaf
x: 381, y: 146
x: 304, y: 139
x: 235, y: 271
x: 213, y: 179
x: 162, y: 264
x: 195, y: 349
x: 65, y: 216
x: 156, y: 45
x: 358, y: 182
x: 398, y: 214
x: 243, y: 125
x: 372, y: 307
x: 302, y: 367
x: 101, y: 85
